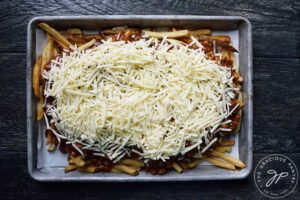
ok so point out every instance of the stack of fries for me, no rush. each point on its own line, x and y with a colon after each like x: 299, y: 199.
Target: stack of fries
x: 217, y: 154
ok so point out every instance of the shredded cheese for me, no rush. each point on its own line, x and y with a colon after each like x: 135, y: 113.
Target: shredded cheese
x: 150, y: 95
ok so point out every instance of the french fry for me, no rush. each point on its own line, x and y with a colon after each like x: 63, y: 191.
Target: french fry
x: 75, y: 39
x: 223, y: 149
x: 174, y: 34
x: 74, y: 31
x: 47, y: 53
x: 78, y: 161
x: 62, y: 45
x: 39, y: 107
x: 89, y: 169
x: 227, y: 143
x: 177, y: 168
x: 69, y: 168
x: 55, y: 34
x: 97, y: 37
x: 115, y: 30
x: 114, y: 170
x: 223, y: 38
x: 132, y: 162
x: 36, y: 77
x: 52, y: 147
x: 200, y: 32
x: 194, y: 164
x: 229, y: 158
x: 55, y: 52
x: 87, y: 45
x: 220, y: 163
x: 126, y: 169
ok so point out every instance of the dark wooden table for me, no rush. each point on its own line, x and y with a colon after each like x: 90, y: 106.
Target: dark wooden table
x: 276, y: 49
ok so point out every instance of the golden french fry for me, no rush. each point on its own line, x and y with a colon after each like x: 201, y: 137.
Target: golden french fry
x: 78, y: 161
x: 97, y: 37
x: 55, y: 52
x: 71, y: 162
x: 174, y: 34
x: 194, y: 164
x: 47, y: 53
x: 223, y: 38
x: 223, y: 149
x: 227, y: 143
x: 229, y: 158
x: 39, y: 108
x: 114, y: 170
x: 90, y: 169
x: 132, y: 162
x: 87, y: 45
x: 52, y: 147
x: 220, y: 163
x: 62, y: 45
x: 70, y: 168
x: 200, y: 32
x: 115, y: 30
x: 74, y: 31
x: 36, y: 77
x: 55, y: 34
x: 126, y: 169
x: 177, y: 168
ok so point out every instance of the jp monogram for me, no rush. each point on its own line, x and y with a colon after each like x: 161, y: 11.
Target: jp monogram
x: 276, y: 176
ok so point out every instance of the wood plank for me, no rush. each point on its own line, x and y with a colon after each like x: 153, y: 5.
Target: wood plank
x: 18, y: 185
x: 276, y: 105
x: 276, y: 102
x: 275, y: 24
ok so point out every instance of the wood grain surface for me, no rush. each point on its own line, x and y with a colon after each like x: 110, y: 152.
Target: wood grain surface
x: 276, y: 42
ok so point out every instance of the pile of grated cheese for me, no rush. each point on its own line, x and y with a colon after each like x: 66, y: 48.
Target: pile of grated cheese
x: 149, y: 95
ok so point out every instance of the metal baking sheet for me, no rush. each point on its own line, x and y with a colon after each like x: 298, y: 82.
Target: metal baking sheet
x: 239, y: 27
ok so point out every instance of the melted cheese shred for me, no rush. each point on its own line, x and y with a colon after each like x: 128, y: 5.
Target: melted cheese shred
x: 151, y: 95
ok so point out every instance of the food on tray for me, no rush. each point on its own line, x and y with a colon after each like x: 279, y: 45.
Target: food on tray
x: 127, y: 99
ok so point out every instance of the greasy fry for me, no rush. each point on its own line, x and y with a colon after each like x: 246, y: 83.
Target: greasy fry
x: 223, y: 149
x: 97, y: 37
x: 78, y: 161
x: 220, y: 163
x: 114, y: 170
x: 174, y: 34
x: 229, y: 158
x: 132, y: 162
x: 200, y: 32
x: 62, y: 45
x: 69, y: 168
x: 115, y: 30
x: 75, y: 39
x: 90, y: 169
x: 194, y: 164
x: 227, y: 143
x: 87, y: 45
x: 55, y: 52
x: 39, y: 106
x: 55, y: 34
x: 223, y: 38
x: 36, y: 77
x: 47, y: 53
x: 52, y: 147
x: 74, y: 31
x: 128, y: 170
x: 177, y: 168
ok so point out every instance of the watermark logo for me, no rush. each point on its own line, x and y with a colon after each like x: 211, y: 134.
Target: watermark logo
x: 276, y: 176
